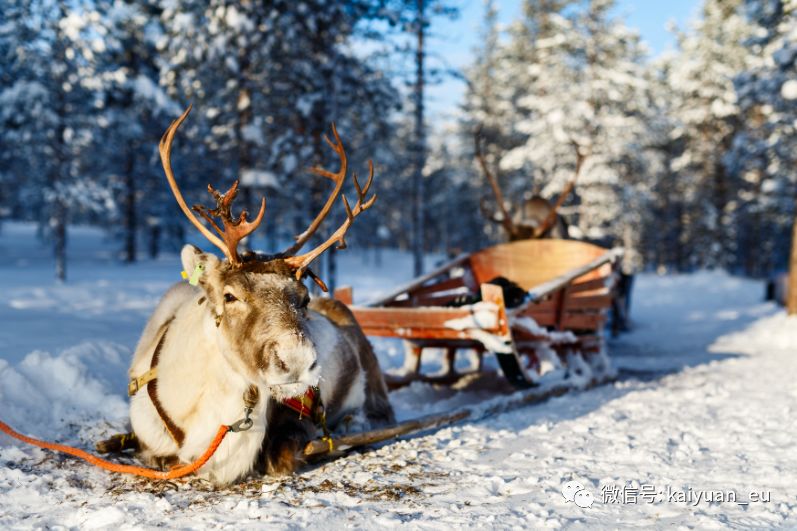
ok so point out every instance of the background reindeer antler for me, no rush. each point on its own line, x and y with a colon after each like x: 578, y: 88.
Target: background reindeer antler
x: 506, y: 218
x: 550, y: 219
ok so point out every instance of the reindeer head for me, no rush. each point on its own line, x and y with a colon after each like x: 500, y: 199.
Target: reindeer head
x: 257, y: 304
x: 536, y: 215
x: 257, y: 311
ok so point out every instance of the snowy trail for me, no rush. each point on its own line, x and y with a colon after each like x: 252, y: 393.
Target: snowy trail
x: 717, y: 415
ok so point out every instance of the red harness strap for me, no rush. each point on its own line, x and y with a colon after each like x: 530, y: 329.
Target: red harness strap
x: 309, y: 405
x: 303, y: 404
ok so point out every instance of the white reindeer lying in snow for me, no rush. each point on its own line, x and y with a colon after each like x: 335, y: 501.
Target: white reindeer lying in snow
x: 246, y: 334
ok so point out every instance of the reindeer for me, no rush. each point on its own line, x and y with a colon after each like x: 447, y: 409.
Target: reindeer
x: 243, y: 338
x: 536, y: 218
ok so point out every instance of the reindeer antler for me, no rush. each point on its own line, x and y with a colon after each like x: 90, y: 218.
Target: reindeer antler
x: 234, y: 229
x: 506, y: 218
x: 301, y: 262
x: 338, y: 178
x: 551, y: 217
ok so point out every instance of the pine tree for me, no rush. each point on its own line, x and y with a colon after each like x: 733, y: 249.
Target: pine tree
x: 764, y: 150
x: 573, y: 82
x: 134, y: 112
x: 269, y: 79
x: 707, y: 117
x: 502, y: 76
x: 49, y: 108
x: 483, y: 117
x: 664, y: 217
x: 15, y: 80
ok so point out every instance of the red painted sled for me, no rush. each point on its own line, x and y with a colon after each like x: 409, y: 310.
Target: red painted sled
x: 557, y: 324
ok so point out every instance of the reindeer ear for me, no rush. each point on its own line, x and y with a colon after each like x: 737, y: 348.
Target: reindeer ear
x: 192, y: 257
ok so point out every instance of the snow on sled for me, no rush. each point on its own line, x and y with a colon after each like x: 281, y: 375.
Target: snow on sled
x: 538, y: 305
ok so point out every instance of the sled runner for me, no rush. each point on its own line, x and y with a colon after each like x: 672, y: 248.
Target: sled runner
x: 553, y: 321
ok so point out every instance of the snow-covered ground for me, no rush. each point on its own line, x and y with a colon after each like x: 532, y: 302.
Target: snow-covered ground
x: 706, y: 407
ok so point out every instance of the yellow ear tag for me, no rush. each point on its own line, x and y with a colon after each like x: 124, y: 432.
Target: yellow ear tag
x: 195, y: 274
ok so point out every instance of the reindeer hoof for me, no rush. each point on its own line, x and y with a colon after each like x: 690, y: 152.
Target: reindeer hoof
x: 118, y: 443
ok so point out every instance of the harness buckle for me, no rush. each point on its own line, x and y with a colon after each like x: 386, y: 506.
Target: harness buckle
x: 138, y: 382
x: 243, y: 424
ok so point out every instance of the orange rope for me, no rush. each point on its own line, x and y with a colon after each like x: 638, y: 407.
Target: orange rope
x: 174, y: 473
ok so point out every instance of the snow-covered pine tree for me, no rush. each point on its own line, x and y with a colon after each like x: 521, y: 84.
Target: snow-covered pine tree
x: 580, y: 84
x: 48, y: 110
x: 269, y: 79
x: 503, y: 74
x: 480, y: 101
x: 216, y: 56
x: 411, y: 62
x: 15, y: 79
x: 335, y: 84
x: 707, y: 117
x: 420, y: 14
x: 483, y: 118
x: 764, y: 149
x: 663, y: 235
x: 133, y: 111
x: 452, y: 199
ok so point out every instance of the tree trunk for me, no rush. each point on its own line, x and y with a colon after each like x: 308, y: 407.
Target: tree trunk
x: 722, y: 234
x: 420, y: 145
x: 154, y: 241
x: 131, y: 220
x: 271, y: 237
x: 59, y: 207
x: 315, y: 205
x: 331, y: 255
x: 59, y: 236
x: 332, y: 269
x: 678, y: 244
x: 791, y: 293
x: 243, y: 159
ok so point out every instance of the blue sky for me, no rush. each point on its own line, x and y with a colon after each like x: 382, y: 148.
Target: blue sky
x: 453, y: 41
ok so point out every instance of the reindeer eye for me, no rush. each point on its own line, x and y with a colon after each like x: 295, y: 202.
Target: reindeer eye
x: 229, y: 297
x: 305, y: 301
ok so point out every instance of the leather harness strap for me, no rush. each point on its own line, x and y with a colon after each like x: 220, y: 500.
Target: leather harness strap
x: 150, y: 380
x: 137, y: 383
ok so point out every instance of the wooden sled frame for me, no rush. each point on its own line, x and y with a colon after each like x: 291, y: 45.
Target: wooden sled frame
x: 569, y: 288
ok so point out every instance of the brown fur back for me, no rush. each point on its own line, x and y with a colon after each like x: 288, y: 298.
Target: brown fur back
x: 377, y: 405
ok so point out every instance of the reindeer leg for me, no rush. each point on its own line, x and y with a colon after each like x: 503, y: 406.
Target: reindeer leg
x: 286, y: 435
x: 119, y: 443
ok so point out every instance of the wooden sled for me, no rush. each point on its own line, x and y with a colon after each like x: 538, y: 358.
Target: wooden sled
x: 569, y: 289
